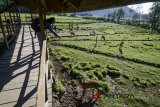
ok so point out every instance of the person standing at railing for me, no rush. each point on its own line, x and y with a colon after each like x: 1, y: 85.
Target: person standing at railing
x: 47, y: 25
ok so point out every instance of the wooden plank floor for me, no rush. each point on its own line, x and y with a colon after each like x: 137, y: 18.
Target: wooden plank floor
x: 19, y: 70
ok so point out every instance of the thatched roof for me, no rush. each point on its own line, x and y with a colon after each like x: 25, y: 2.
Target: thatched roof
x: 78, y: 5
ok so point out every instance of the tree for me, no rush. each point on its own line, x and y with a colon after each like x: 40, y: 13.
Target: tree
x: 154, y: 16
x: 135, y: 16
x: 130, y: 11
x: 120, y: 13
x: 113, y: 15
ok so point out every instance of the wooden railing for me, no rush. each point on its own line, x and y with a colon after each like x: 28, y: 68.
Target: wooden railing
x: 42, y: 84
x: 42, y: 100
x: 9, y: 22
x: 44, y: 76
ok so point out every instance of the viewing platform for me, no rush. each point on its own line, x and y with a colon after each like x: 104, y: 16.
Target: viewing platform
x: 19, y: 70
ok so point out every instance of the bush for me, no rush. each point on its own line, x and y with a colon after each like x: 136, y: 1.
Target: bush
x: 83, y: 64
x: 64, y: 58
x: 104, y: 73
x: 72, y: 82
x: 113, y: 73
x: 76, y: 73
x: 120, y: 80
x: 104, y: 87
x: 66, y: 66
x: 58, y: 86
x: 98, y: 74
x: 94, y: 71
x: 91, y: 75
x: 77, y: 67
x: 112, y: 68
x: 126, y: 76
x: 95, y: 66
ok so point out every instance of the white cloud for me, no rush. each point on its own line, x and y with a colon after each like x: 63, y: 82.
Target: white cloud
x: 144, y: 7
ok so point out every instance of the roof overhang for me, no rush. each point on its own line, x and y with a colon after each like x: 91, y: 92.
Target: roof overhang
x: 59, y: 6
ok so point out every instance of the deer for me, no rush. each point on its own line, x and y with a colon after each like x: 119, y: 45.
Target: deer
x: 93, y: 33
x: 103, y: 38
x: 72, y: 33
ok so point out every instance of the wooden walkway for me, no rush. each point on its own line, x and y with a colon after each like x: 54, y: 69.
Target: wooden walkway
x: 19, y: 71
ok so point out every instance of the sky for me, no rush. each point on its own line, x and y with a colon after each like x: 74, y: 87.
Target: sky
x: 144, y: 7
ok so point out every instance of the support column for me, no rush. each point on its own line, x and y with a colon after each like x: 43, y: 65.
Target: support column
x: 41, y: 19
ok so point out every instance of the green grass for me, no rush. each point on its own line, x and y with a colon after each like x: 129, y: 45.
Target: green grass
x: 58, y: 86
x: 141, y: 80
x: 128, y: 74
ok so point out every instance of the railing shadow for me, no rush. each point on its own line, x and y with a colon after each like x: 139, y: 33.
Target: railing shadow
x: 20, y: 67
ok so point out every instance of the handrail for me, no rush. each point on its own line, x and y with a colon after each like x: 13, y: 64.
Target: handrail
x: 41, y: 100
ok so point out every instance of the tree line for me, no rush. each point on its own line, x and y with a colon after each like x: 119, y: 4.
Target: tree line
x: 152, y: 21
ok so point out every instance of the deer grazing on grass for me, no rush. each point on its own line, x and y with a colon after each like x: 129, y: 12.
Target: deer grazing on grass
x: 93, y: 33
x: 103, y: 38
x: 72, y: 33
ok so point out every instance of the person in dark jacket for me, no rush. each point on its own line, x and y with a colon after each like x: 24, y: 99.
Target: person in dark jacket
x: 47, y: 25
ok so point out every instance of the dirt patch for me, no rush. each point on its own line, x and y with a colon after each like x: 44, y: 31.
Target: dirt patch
x: 73, y: 94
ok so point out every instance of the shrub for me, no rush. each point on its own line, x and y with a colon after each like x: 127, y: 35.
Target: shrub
x: 120, y: 80
x: 76, y: 73
x: 126, y: 76
x: 50, y: 49
x: 113, y: 73
x: 91, y: 75
x: 86, y: 68
x: 104, y: 73
x: 98, y: 74
x: 112, y: 68
x: 83, y: 64
x: 66, y: 66
x: 77, y: 67
x: 72, y: 82
x: 104, y: 87
x: 58, y: 86
x: 95, y: 66
x: 64, y: 58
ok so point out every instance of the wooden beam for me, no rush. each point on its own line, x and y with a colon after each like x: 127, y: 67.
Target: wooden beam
x: 41, y: 20
x: 55, y: 6
x: 59, y: 5
x: 74, y: 3
x: 41, y: 100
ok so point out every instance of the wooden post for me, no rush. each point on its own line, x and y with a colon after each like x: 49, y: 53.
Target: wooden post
x: 42, y: 86
x: 12, y: 25
x: 42, y: 80
x: 41, y: 19
x: 4, y: 35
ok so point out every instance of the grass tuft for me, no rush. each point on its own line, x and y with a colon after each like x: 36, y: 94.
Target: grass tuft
x: 64, y: 58
x: 112, y: 68
x: 58, y: 86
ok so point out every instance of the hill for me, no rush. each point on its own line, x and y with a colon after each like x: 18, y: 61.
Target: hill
x: 105, y: 12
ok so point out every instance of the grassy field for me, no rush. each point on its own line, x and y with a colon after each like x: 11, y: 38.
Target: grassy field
x: 134, y: 70
x: 126, y: 62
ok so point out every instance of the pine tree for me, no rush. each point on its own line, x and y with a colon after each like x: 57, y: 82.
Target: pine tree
x: 154, y: 16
